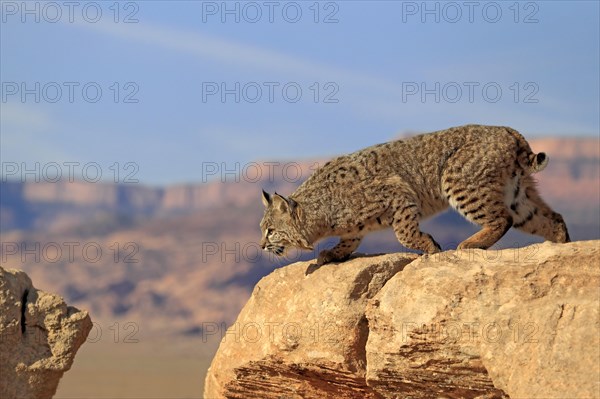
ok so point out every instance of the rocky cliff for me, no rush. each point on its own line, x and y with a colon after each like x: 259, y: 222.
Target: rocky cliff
x: 39, y: 336
x: 461, y: 324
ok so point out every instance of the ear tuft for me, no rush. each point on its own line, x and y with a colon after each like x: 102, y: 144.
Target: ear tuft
x: 266, y: 198
x: 292, y: 204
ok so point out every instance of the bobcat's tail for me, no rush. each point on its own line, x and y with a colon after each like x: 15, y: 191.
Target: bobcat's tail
x: 526, y: 158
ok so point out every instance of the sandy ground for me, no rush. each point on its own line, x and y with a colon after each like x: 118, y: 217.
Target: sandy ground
x: 150, y: 368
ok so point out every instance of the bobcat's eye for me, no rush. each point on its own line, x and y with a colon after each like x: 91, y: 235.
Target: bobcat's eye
x: 273, y: 236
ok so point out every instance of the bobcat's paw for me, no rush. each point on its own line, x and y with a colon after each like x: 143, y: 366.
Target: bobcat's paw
x: 325, y: 256
x: 329, y: 256
x: 561, y: 233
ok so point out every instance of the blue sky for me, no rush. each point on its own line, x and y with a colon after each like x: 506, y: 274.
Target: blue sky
x: 333, y: 77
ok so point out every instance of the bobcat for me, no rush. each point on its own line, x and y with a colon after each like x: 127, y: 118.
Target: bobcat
x: 484, y: 172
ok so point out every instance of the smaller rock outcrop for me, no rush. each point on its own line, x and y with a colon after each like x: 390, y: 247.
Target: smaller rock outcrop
x: 39, y: 337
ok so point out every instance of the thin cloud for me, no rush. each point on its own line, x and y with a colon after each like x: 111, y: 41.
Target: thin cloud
x: 205, y: 46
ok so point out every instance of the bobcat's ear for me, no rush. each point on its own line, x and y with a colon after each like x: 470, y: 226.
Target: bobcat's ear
x: 266, y: 198
x: 295, y: 208
x: 287, y: 205
x: 279, y: 202
x: 282, y: 203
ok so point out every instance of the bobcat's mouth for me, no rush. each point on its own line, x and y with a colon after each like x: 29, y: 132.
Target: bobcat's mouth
x: 276, y: 249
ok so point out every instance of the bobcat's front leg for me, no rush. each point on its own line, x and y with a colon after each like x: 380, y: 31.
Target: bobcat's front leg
x: 340, y: 252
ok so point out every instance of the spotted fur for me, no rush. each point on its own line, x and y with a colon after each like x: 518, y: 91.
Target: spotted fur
x: 484, y: 172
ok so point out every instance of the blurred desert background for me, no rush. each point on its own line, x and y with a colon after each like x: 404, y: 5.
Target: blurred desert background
x: 174, y: 115
x: 179, y: 262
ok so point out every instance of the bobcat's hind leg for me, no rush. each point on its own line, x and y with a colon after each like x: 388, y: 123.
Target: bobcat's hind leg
x: 341, y: 251
x: 491, y: 232
x: 406, y: 227
x: 486, y: 208
x: 478, y: 191
x: 532, y: 215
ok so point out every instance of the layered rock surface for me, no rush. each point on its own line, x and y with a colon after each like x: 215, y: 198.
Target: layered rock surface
x: 479, y: 324
x: 39, y: 337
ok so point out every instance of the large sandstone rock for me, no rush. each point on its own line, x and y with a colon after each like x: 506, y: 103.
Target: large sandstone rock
x: 39, y: 336
x: 480, y: 324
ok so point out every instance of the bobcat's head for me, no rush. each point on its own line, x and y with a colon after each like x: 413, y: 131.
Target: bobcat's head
x: 280, y: 223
